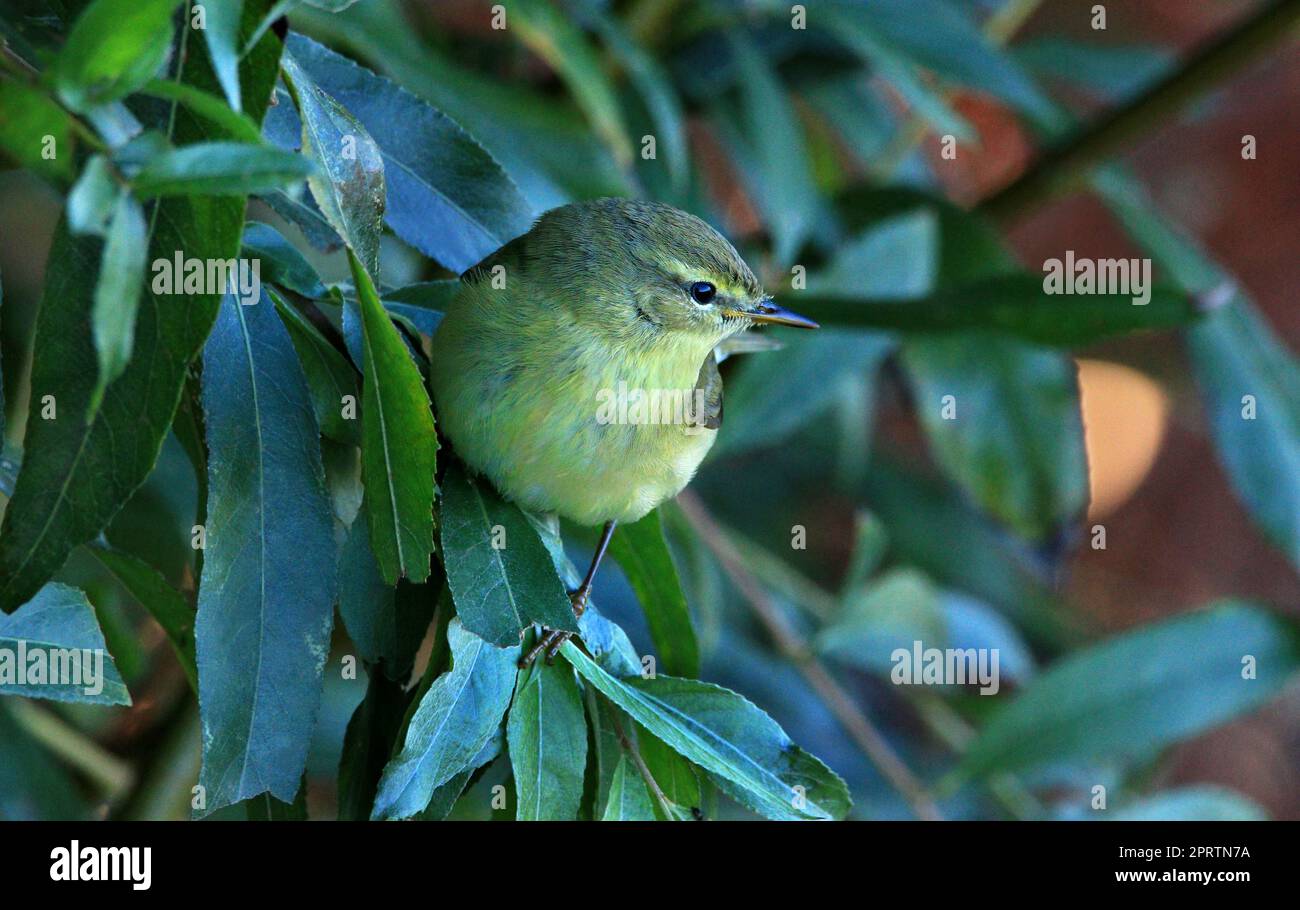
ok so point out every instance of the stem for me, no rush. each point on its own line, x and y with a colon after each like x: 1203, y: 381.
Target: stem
x: 859, y: 727
x: 1089, y: 146
x: 956, y: 734
x: 664, y: 803
x: 112, y: 775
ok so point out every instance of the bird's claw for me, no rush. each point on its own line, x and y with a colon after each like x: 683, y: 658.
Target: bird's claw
x: 553, y: 639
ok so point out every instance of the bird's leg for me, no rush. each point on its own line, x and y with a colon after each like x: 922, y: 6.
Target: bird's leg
x: 554, y: 639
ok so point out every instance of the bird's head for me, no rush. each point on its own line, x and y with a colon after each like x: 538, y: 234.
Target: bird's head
x: 646, y: 272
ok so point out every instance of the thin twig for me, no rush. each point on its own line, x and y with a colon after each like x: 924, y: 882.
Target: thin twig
x: 859, y: 727
x: 1093, y: 144
x: 664, y: 803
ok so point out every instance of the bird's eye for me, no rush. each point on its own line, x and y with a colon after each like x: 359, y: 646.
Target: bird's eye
x: 703, y: 292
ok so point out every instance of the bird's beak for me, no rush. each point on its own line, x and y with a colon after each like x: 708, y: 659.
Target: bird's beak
x: 767, y: 310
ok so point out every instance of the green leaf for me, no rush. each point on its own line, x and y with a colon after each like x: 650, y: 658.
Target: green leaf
x: 774, y: 159
x: 386, y: 624
x: 1015, y: 443
x: 856, y: 28
x: 281, y: 263
x: 739, y: 745
x: 168, y: 608
x: 79, y: 473
x: 330, y: 378
x: 547, y: 733
x: 238, y: 125
x: 221, y: 33
x: 27, y: 116
x: 115, y: 47
x: 1234, y: 355
x: 56, y: 635
x: 1142, y: 690
x: 655, y: 86
x: 446, y: 196
x: 399, y: 444
x: 643, y: 554
x: 456, y: 718
x: 349, y: 182
x: 942, y: 37
x: 900, y: 607
x: 553, y: 37
x: 444, y: 798
x: 1251, y: 385
x: 91, y: 200
x: 367, y: 745
x: 629, y: 798
x: 117, y: 293
x: 1012, y: 305
x: 220, y: 169
x: 500, y: 574
x: 266, y: 597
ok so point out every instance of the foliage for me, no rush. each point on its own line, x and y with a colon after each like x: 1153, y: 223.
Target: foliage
x: 363, y: 168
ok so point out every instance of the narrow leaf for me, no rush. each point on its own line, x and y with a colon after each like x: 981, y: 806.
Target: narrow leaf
x: 330, y: 378
x: 743, y: 748
x: 557, y: 40
x: 117, y: 293
x: 53, y: 649
x: 386, y: 624
x: 349, y: 183
x: 1142, y: 690
x: 456, y: 718
x: 239, y: 126
x: 399, y: 444
x: 222, y: 36
x: 643, y: 555
x: 115, y: 47
x: 547, y: 733
x: 220, y: 169
x: 629, y: 798
x: 168, y: 608
x: 1013, y: 305
x: 265, y: 605
x: 500, y: 574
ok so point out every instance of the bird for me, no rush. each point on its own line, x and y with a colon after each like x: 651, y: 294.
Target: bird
x: 550, y: 340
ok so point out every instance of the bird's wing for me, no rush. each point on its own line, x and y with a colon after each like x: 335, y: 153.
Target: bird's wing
x: 745, y: 343
x: 710, y: 382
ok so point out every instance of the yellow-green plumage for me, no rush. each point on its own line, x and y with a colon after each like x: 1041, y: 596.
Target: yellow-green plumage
x: 595, y: 295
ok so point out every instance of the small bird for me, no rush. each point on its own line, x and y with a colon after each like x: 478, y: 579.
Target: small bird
x: 547, y: 339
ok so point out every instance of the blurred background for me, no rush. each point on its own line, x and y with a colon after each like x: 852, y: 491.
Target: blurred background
x: 801, y: 145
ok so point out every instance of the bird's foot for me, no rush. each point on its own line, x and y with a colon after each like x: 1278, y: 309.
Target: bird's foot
x: 553, y: 639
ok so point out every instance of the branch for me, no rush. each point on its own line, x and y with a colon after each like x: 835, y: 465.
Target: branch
x: 859, y: 727
x: 1093, y: 144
